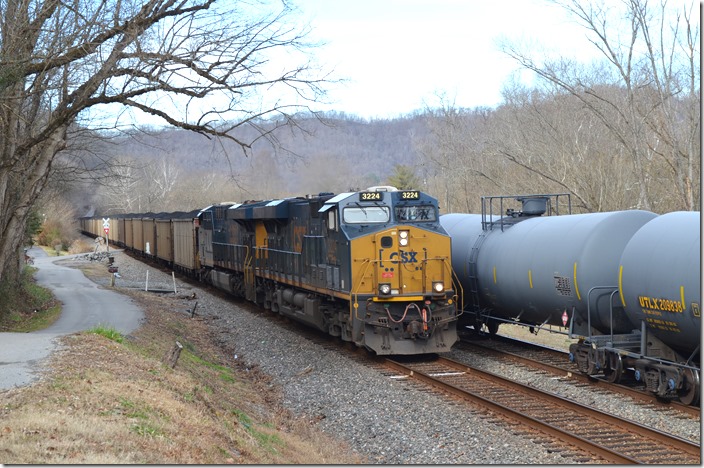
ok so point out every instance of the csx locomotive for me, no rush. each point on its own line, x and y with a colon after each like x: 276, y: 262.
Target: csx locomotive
x: 370, y: 267
x: 626, y: 284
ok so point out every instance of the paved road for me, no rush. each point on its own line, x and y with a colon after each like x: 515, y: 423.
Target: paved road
x: 84, y: 306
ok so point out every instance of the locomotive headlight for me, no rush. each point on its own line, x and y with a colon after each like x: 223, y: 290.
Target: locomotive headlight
x: 438, y: 287
x: 384, y: 289
x: 403, y: 238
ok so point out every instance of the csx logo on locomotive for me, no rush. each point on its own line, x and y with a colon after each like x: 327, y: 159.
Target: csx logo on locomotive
x: 405, y: 257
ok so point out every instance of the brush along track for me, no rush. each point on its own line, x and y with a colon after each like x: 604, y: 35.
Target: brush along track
x: 569, y: 424
x: 557, y: 363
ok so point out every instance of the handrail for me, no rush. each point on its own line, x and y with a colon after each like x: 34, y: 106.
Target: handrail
x: 354, y: 291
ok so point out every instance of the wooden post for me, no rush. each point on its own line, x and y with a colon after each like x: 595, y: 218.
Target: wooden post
x: 173, y: 355
x: 193, y: 312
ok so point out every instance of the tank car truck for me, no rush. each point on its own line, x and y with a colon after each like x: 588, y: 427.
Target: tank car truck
x: 371, y: 267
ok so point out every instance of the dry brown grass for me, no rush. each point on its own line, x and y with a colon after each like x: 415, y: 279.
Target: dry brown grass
x: 105, y: 402
x: 81, y: 245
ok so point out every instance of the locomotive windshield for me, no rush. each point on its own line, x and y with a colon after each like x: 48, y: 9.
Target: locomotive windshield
x: 415, y: 213
x: 366, y: 215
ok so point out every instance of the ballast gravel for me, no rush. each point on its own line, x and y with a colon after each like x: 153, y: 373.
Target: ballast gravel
x: 382, y: 419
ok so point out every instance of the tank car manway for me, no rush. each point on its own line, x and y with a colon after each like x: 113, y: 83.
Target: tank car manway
x: 601, y: 435
x: 556, y: 362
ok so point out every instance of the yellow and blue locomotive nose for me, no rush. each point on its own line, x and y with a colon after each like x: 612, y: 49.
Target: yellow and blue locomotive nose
x: 403, y: 287
x: 410, y: 262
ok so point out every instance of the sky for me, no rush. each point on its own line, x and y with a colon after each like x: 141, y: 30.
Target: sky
x: 401, y: 55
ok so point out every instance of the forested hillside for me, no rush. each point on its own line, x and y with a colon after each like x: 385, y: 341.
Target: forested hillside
x: 536, y: 143
x: 177, y: 169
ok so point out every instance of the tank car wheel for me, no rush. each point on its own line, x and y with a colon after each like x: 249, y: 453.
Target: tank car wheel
x: 689, y: 393
x: 614, y: 370
x: 492, y: 326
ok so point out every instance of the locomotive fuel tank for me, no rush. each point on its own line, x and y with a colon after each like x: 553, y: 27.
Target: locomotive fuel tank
x: 540, y: 269
x: 660, y: 279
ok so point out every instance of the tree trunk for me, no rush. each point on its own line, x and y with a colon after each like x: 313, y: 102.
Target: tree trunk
x: 19, y: 195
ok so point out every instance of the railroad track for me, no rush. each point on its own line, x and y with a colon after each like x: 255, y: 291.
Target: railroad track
x: 568, y: 426
x: 557, y: 362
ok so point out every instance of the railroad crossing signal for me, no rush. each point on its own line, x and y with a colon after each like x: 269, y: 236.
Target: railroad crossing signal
x: 106, y: 228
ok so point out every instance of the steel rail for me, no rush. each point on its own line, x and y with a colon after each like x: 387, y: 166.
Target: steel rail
x: 639, y: 395
x: 590, y: 446
x: 546, y: 428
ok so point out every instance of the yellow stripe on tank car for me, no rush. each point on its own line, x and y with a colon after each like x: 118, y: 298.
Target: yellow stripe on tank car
x: 576, y: 286
x: 530, y: 279
x: 684, y: 306
x: 620, y: 285
x: 494, y: 275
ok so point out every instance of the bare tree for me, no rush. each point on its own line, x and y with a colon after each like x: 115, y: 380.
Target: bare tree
x: 651, y: 57
x: 161, y: 177
x: 203, y: 65
x: 456, y: 162
x: 560, y: 146
x: 123, y: 192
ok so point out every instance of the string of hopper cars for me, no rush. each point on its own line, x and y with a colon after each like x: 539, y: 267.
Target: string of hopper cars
x: 380, y: 268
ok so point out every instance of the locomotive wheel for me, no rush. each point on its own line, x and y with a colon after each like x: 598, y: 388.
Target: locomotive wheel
x: 689, y: 393
x: 614, y: 370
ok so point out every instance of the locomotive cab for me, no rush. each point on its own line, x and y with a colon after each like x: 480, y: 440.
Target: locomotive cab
x: 401, y: 291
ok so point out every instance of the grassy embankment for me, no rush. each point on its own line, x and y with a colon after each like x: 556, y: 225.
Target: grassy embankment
x: 110, y: 399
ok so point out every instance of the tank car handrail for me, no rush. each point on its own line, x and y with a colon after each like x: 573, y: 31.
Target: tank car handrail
x: 611, y: 309
x: 550, y: 209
